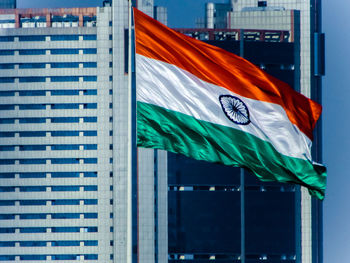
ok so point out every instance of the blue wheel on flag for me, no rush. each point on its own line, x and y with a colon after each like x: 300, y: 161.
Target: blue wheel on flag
x: 235, y: 109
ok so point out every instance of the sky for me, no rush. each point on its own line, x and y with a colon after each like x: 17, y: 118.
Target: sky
x: 336, y: 110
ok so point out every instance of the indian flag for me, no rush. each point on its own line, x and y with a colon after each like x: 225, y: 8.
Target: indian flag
x: 208, y: 104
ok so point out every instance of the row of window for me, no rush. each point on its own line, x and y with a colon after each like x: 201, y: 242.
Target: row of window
x: 52, y: 65
x: 51, y: 37
x: 53, y: 188
x: 65, y: 229
x: 49, y: 133
x: 48, y: 174
x: 53, y: 257
x: 52, y: 215
x: 68, y: 92
x: 64, y: 243
x: 44, y: 120
x: 52, y: 79
x: 49, y: 161
x: 53, y: 202
x: 57, y: 106
x: 55, y: 147
x: 61, y: 51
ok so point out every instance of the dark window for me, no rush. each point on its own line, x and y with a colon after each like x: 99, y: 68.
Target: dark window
x: 32, y: 175
x: 32, y: 216
x: 262, y: 3
x: 7, y: 175
x: 32, y: 120
x: 7, y: 66
x: 65, y: 216
x: 64, y: 160
x: 63, y: 188
x: 90, y: 147
x: 90, y: 64
x: 89, y: 51
x: 7, y: 161
x: 7, y: 244
x: 32, y: 188
x: 65, y: 120
x: 65, y: 79
x: 32, y: 257
x: 64, y: 133
x: 89, y: 243
x: 90, y: 92
x: 90, y: 133
x: 66, y: 202
x: 90, y: 106
x: 64, y: 175
x: 32, y: 147
x: 90, y: 160
x: 7, y: 52
x: 7, y: 80
x: 90, y: 174
x: 65, y: 243
x: 65, y: 106
x: 90, y: 188
x: 7, y: 120
x: 32, y: 93
x: 32, y: 134
x: 7, y: 39
x: 64, y: 92
x: 7, y: 257
x: 7, y: 134
x: 90, y: 78
x: 32, y: 38
x: 32, y: 52
x: 65, y: 65
x: 64, y: 37
x: 7, y: 202
x: 32, y: 65
x: 32, y: 106
x: 60, y: 147
x: 32, y: 79
x: 7, y: 148
x: 5, y: 230
x: 32, y: 230
x: 91, y: 257
x: 7, y: 216
x: 89, y: 37
x: 7, y: 93
x: 90, y: 202
x: 66, y: 51
x: 32, y: 161
x: 32, y: 243
x: 32, y: 202
x: 90, y: 215
x: 90, y: 119
x: 65, y: 229
x: 7, y: 107
x: 64, y: 257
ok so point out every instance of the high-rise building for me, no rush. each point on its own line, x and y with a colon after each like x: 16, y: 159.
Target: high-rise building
x: 279, y: 222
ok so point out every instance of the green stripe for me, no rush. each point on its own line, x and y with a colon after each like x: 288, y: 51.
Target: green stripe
x: 179, y: 133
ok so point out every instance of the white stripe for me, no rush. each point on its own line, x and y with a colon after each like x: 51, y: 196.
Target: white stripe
x: 175, y: 89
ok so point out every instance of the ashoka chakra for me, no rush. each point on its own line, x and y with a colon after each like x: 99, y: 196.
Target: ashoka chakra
x: 235, y: 109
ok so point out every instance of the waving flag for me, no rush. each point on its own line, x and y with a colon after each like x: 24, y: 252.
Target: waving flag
x: 208, y: 104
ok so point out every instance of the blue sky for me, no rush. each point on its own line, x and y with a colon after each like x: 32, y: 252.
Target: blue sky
x: 336, y: 110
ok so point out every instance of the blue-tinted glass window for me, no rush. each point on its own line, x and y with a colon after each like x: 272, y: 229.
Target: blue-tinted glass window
x: 5, y: 230
x: 32, y: 202
x: 89, y: 51
x: 32, y: 93
x: 110, y: 37
x: 7, y: 120
x: 90, y: 78
x: 7, y: 216
x: 90, y: 188
x: 111, y: 105
x: 7, y: 52
x: 7, y: 175
x: 90, y: 147
x: 90, y: 174
x: 7, y: 134
x: 90, y: 92
x: 7, y: 244
x: 65, y: 243
x: 65, y: 65
x: 91, y: 243
x: 7, y: 161
x: 32, y: 134
x: 32, y: 230
x: 90, y: 119
x: 111, y: 51
x: 66, y: 51
x: 65, y: 229
x: 32, y: 65
x: 66, y: 202
x: 32, y: 79
x: 65, y: 79
x: 67, y: 188
x: 32, y: 120
x: 110, y: 133
x: 7, y: 80
x: 32, y: 175
x: 65, y: 120
x: 90, y: 106
x: 64, y: 92
x: 90, y: 133
x: 7, y: 202
x: 7, y: 66
x: 65, y: 106
x: 64, y: 37
x: 7, y: 39
x: 36, y: 188
x: 90, y: 64
x: 32, y: 52
x: 90, y: 215
x: 90, y: 202
x: 64, y: 160
x: 64, y: 133
x: 110, y: 78
x: 64, y: 257
x: 7, y: 189
x: 91, y: 229
x: 32, y: 147
x: 32, y: 106
x: 7, y: 107
x: 32, y: 161
x: 89, y: 37
x: 65, y: 216
x: 111, y: 229
x: 90, y: 160
x: 7, y: 257
x: 60, y: 147
x: 31, y: 38
x: 32, y: 216
x: 32, y: 243
x: 91, y: 257
x: 6, y: 148
x: 111, y: 64
x: 32, y: 257
x: 64, y: 175
x: 7, y: 93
